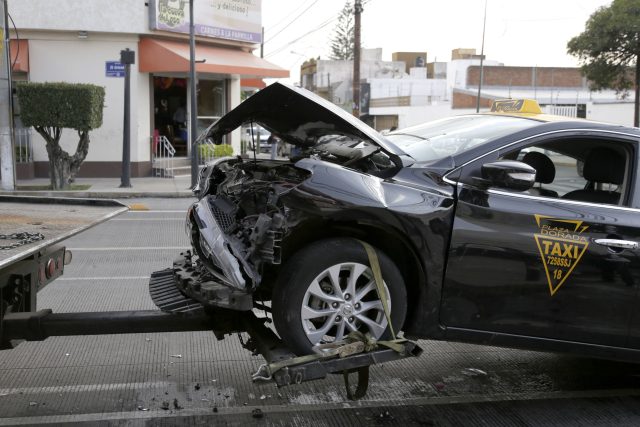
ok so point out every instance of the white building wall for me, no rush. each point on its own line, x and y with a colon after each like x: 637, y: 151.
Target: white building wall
x: 618, y: 113
x: 419, y: 89
x: 114, y: 16
x: 415, y: 115
x: 141, y: 128
x: 235, y: 100
x: 333, y: 72
x: 60, y: 58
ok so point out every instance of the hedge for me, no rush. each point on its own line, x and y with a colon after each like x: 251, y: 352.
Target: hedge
x: 222, y: 150
x: 63, y: 105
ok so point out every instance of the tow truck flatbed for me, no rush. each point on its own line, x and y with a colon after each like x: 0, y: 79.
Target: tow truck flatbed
x: 27, y: 265
x: 23, y: 273
x: 35, y: 215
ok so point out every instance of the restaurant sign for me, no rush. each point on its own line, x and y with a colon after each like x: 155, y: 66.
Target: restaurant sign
x: 225, y: 19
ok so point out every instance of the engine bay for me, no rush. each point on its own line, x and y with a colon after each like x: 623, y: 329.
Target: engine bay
x: 238, y: 226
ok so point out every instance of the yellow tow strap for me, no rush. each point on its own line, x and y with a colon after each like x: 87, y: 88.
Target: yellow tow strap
x: 354, y: 343
x: 377, y: 277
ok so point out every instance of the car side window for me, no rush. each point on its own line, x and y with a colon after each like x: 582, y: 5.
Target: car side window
x: 588, y: 170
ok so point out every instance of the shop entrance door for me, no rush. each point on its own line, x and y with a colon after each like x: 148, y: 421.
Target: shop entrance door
x: 170, y: 113
x: 211, y: 102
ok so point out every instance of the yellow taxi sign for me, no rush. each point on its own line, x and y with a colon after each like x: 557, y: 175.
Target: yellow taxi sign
x: 515, y: 106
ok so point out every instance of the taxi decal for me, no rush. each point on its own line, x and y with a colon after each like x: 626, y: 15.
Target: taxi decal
x: 561, y: 246
x: 515, y: 106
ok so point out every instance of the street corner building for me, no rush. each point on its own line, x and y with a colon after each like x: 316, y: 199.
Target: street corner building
x: 80, y: 42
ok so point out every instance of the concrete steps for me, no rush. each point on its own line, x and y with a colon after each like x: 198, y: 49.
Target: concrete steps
x: 172, y: 167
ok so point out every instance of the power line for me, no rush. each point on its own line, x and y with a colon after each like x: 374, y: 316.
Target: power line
x: 281, y: 48
x: 287, y: 25
x: 321, y: 26
x: 287, y: 17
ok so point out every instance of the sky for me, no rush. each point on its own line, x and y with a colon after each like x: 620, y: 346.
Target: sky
x: 518, y: 32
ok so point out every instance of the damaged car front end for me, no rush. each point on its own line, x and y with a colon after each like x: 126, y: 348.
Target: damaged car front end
x: 236, y: 229
x: 287, y: 231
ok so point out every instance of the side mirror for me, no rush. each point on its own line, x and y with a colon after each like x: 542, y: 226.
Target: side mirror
x: 509, y: 174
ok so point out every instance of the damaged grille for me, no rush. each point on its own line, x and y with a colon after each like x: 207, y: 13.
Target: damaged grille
x: 224, y: 212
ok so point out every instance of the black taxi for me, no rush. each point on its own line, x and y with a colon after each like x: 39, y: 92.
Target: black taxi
x: 510, y: 227
x: 553, y: 265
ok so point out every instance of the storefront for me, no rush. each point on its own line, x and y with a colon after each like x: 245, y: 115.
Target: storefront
x: 167, y: 61
x: 80, y: 42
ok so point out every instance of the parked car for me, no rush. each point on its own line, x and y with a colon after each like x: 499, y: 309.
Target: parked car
x: 252, y: 133
x: 509, y: 228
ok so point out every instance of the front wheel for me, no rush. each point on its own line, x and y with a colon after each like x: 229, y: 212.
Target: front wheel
x: 327, y: 290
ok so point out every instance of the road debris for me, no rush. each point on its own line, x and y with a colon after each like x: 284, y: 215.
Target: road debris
x: 176, y: 404
x: 385, y: 415
x: 474, y: 372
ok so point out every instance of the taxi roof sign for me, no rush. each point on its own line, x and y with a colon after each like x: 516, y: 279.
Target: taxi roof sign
x: 515, y: 106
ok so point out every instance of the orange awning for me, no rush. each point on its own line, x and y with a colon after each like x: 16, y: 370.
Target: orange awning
x: 19, y: 55
x: 164, y: 56
x: 253, y: 83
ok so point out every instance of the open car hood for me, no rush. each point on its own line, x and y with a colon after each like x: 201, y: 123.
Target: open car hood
x: 300, y: 117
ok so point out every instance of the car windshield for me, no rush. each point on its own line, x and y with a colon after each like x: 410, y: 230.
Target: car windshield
x: 454, y: 135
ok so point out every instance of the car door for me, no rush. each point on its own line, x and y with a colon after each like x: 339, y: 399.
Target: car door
x: 525, y: 264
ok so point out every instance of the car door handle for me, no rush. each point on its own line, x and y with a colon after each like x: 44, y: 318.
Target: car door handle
x: 619, y: 244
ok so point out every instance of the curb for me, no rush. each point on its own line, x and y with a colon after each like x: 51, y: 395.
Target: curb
x: 100, y: 194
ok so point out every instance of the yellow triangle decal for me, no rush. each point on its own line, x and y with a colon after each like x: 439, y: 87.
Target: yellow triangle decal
x: 560, y: 257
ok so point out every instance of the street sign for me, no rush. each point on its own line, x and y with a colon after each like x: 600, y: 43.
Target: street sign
x: 113, y: 69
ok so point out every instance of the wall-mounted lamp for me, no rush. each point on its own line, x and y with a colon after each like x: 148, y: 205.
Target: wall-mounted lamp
x: 83, y: 34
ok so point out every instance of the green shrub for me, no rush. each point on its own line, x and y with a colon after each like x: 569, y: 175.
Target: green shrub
x: 22, y: 152
x: 222, y: 150
x: 62, y: 105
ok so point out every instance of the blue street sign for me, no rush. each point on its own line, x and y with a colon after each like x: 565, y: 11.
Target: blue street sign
x: 114, y: 69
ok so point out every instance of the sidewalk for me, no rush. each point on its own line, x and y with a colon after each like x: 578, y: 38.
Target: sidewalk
x: 110, y: 188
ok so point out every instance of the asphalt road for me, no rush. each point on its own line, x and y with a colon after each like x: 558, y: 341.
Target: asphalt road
x: 192, y: 379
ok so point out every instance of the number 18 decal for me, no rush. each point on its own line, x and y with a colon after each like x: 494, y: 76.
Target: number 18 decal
x: 561, y: 246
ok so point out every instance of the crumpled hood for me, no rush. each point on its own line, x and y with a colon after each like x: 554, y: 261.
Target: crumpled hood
x: 299, y: 116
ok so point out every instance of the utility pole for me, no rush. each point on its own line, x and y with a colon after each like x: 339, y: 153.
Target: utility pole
x: 127, y: 57
x: 636, y: 101
x: 262, y: 44
x: 193, y: 118
x: 484, y: 26
x: 357, y: 10
x: 7, y: 152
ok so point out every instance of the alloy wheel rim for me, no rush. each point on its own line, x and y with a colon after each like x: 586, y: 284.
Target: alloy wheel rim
x: 341, y: 299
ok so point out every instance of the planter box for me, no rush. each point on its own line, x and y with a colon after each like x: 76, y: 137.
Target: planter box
x: 25, y: 171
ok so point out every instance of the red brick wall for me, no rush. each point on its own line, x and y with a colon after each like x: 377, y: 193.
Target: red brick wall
x: 524, y: 76
x: 464, y: 100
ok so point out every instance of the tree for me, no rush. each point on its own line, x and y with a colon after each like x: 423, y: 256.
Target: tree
x: 609, y: 47
x: 50, y: 107
x: 343, y: 37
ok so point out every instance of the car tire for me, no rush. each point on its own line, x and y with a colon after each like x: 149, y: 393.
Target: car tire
x: 307, y: 284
